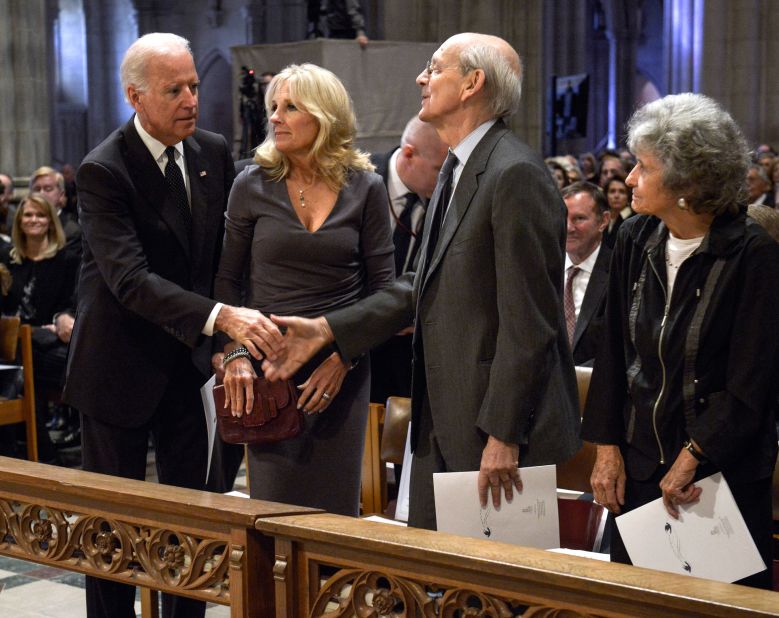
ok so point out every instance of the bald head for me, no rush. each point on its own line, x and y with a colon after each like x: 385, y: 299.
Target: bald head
x: 500, y: 63
x: 423, y: 137
x: 421, y: 155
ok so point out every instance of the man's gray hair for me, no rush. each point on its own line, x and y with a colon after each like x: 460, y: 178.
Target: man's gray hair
x: 502, y: 84
x: 704, y: 153
x: 760, y: 170
x: 134, y: 64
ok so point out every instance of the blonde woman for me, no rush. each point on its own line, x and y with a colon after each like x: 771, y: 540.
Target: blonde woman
x: 43, y: 280
x: 310, y: 222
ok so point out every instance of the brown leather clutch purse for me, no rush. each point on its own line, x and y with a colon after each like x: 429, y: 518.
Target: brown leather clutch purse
x: 274, y: 417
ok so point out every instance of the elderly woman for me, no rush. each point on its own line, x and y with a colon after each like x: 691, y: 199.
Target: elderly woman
x: 685, y: 382
x: 43, y: 280
x: 311, y: 221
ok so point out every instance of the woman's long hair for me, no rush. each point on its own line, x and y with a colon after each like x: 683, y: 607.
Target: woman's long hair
x: 55, y: 234
x: 320, y: 93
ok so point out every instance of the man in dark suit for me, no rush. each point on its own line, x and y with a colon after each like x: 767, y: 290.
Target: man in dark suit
x: 586, y: 269
x: 152, y: 199
x: 410, y: 173
x: 759, y: 187
x: 493, y: 381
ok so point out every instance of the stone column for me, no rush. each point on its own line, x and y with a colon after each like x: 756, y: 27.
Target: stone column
x: 622, y: 33
x: 108, y: 36
x: 24, y: 86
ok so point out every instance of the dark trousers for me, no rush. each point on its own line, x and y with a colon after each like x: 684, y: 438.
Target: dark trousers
x: 753, y: 500
x: 49, y: 374
x: 178, y: 431
x: 426, y: 461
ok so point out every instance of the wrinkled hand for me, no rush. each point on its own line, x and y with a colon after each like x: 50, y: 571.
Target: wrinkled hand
x: 677, y: 486
x: 216, y: 366
x: 608, y: 477
x: 322, y: 385
x: 239, y: 390
x: 304, y: 338
x: 499, y: 461
x: 252, y: 329
x: 63, y: 326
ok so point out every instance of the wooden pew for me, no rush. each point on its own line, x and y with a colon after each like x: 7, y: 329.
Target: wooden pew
x: 338, y: 566
x: 193, y: 543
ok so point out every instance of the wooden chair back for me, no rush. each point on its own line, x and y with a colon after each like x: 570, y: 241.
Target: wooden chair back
x: 22, y: 408
x: 9, y: 338
x: 385, y: 441
x: 575, y: 473
x: 397, y: 416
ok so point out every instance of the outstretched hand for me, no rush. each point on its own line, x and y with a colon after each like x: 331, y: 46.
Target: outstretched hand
x: 251, y: 329
x: 304, y: 338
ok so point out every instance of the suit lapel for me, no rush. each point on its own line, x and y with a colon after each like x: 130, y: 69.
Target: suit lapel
x: 150, y: 183
x: 466, y: 188
x: 596, y: 288
x: 198, y: 195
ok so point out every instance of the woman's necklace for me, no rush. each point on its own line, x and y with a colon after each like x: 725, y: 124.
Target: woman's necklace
x: 670, y: 263
x: 302, y: 191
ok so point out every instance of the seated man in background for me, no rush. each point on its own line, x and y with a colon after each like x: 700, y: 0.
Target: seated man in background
x: 6, y: 217
x: 759, y: 187
x: 587, y: 269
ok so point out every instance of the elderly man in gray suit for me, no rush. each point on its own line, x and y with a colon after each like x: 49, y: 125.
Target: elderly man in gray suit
x: 493, y: 380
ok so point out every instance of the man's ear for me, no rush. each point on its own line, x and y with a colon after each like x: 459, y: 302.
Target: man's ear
x: 472, y: 83
x: 407, y: 151
x: 133, y: 96
x: 605, y: 218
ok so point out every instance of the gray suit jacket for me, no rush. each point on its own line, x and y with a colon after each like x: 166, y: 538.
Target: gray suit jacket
x: 490, y: 346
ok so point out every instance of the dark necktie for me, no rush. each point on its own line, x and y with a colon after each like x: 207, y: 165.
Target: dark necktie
x: 445, y: 177
x: 402, y: 236
x: 568, y: 304
x: 178, y: 191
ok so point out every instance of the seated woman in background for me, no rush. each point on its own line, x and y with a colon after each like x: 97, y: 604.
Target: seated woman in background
x: 311, y: 222
x: 618, y: 195
x: 43, y: 280
x: 685, y: 381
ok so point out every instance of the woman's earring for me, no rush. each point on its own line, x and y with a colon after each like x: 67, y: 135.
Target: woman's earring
x: 681, y: 204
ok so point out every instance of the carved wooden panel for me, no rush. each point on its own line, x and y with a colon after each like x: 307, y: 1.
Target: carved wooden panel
x: 143, y: 555
x: 374, y: 594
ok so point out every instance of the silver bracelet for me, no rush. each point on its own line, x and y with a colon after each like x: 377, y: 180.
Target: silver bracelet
x: 237, y: 353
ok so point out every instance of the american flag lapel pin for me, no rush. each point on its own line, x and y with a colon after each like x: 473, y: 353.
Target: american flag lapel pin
x: 203, y: 173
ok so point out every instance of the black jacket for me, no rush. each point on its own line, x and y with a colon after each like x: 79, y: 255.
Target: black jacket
x: 709, y: 369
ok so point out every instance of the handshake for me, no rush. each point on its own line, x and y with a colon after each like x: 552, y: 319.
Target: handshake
x: 261, y: 336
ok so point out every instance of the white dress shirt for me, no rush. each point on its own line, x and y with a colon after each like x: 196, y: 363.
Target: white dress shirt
x: 582, y: 278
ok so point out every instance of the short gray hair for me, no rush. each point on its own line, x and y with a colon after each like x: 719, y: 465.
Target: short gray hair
x: 704, y: 153
x: 760, y: 171
x: 502, y: 84
x: 137, y: 56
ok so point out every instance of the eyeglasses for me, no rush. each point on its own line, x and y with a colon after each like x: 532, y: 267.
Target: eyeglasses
x: 433, y: 69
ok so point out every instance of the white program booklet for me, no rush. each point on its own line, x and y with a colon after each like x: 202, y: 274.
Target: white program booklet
x: 709, y: 540
x: 207, y: 395
x: 530, y: 519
